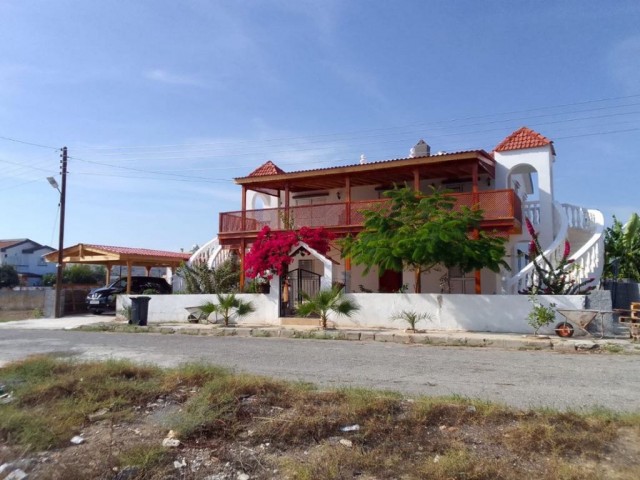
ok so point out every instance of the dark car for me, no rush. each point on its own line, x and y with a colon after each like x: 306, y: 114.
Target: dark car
x: 104, y: 298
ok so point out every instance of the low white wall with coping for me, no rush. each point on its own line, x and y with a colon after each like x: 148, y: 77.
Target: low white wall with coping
x: 477, y: 313
x: 171, y: 308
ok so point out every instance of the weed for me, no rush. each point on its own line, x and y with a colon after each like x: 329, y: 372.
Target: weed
x: 613, y: 348
x: 145, y: 457
x: 228, y: 414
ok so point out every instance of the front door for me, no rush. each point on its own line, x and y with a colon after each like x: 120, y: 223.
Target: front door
x: 390, y: 282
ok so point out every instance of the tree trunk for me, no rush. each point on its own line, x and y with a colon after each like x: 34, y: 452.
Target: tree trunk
x: 417, y: 272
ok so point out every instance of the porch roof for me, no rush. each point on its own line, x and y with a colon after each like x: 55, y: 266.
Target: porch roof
x: 110, y: 255
x: 449, y: 166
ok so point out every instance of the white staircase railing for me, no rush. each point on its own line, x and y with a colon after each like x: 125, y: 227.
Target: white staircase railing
x: 207, y: 253
x: 588, y: 260
x: 527, y: 275
x: 211, y: 252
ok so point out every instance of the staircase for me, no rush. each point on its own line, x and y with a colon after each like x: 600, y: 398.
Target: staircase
x: 211, y: 253
x: 584, y: 228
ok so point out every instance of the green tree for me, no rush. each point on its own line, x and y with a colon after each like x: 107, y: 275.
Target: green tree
x: 8, y: 276
x: 325, y: 302
x: 83, y: 274
x: 199, y: 278
x: 420, y: 232
x: 228, y: 306
x: 622, y: 249
x: 78, y: 275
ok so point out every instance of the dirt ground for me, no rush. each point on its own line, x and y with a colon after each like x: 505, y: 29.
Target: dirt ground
x: 245, y: 457
x: 10, y: 315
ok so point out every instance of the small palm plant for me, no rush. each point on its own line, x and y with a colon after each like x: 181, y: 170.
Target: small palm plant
x: 228, y: 306
x: 412, y: 317
x: 326, y: 301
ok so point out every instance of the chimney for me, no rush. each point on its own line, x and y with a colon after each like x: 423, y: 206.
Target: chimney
x: 421, y: 149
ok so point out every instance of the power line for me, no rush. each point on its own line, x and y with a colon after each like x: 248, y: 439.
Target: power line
x: 371, y: 130
x: 195, y: 180
x: 24, y: 142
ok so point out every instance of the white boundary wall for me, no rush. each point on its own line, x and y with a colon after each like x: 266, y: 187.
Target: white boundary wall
x: 477, y: 313
x: 171, y: 308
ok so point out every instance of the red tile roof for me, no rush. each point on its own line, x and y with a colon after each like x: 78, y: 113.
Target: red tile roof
x: 140, y: 251
x: 268, y: 168
x: 10, y: 243
x: 522, y: 139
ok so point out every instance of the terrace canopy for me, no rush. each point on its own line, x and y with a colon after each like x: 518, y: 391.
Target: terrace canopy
x: 110, y: 256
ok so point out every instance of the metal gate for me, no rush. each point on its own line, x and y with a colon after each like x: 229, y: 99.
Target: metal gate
x: 294, y: 284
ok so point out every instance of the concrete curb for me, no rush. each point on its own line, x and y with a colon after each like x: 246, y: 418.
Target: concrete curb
x: 451, y: 339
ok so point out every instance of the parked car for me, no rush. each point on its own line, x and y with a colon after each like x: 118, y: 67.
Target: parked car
x: 104, y: 298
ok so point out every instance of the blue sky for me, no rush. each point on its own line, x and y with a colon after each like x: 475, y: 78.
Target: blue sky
x: 161, y: 103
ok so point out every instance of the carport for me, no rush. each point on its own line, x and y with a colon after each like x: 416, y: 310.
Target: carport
x: 110, y: 256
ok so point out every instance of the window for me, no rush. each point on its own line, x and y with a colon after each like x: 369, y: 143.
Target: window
x: 461, y: 282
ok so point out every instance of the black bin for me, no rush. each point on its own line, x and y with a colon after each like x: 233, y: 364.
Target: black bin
x: 139, y: 310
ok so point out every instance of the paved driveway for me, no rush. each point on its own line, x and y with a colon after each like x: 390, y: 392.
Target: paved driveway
x: 517, y: 378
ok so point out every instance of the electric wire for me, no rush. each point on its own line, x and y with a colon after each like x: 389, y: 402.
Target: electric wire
x: 585, y: 102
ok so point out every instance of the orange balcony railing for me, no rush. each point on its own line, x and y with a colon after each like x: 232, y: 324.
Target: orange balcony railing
x: 497, y: 205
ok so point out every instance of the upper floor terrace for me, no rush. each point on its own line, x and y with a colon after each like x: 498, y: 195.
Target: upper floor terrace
x: 341, y: 194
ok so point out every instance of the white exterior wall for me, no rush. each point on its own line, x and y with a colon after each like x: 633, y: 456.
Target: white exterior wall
x: 27, y: 262
x: 476, y: 313
x: 541, y: 159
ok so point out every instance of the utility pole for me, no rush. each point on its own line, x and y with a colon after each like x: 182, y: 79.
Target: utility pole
x: 63, y: 170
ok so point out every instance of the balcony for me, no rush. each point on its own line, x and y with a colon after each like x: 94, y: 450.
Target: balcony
x: 502, y: 211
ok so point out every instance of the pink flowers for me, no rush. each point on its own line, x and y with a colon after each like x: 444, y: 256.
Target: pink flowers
x: 530, y: 228
x: 269, y: 254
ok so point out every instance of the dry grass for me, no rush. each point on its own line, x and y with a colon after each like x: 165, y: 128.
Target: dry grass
x: 228, y: 415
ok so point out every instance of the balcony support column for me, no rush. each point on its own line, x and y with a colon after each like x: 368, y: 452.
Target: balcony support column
x: 244, y: 208
x: 287, y: 223
x: 278, y: 212
x: 476, y: 205
x: 243, y: 247
x: 416, y: 180
x: 347, y: 189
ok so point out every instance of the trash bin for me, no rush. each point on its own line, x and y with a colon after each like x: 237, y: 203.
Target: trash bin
x: 139, y: 310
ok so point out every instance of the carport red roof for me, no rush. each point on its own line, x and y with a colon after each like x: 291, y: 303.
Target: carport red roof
x: 139, y: 251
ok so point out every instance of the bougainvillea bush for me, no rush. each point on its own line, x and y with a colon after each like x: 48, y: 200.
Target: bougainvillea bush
x: 270, y: 253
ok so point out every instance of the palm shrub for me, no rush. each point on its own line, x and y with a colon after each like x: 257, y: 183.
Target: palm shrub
x: 411, y: 317
x: 325, y: 302
x: 200, y: 278
x: 228, y: 306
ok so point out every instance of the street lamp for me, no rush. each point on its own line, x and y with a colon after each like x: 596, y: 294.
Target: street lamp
x: 52, y: 181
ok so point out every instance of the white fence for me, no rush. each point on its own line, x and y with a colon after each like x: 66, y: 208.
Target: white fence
x: 479, y: 313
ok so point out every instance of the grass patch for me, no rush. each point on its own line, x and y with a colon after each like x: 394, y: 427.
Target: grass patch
x: 145, y: 457
x: 613, y: 348
x: 259, y: 425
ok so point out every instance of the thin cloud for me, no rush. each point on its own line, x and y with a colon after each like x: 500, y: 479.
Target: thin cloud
x: 163, y: 76
x: 625, y: 63
x: 360, y: 81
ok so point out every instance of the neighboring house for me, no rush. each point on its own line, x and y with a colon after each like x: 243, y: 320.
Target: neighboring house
x: 26, y: 256
x: 513, y: 181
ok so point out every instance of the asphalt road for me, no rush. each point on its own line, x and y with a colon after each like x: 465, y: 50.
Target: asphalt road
x: 517, y: 378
